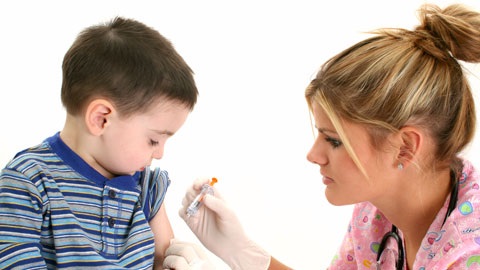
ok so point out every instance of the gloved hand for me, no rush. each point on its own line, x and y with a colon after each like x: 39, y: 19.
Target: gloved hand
x: 186, y: 256
x: 220, y: 231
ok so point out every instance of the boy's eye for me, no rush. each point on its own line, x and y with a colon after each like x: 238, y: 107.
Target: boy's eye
x: 153, y: 143
x: 334, y: 142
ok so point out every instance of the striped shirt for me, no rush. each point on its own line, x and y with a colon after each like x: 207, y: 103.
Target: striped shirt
x: 58, y: 212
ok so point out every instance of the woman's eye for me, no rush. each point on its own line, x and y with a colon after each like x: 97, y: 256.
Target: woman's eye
x: 334, y: 142
x: 153, y: 143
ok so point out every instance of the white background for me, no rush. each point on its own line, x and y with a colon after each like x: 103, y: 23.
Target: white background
x: 250, y: 128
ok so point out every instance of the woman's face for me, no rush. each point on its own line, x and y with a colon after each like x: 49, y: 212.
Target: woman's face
x: 345, y: 183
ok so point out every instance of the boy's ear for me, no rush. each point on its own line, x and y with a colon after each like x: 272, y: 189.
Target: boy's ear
x: 97, y: 115
x: 411, y: 140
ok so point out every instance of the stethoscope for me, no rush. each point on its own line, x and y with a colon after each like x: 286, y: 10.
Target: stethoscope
x: 394, y: 231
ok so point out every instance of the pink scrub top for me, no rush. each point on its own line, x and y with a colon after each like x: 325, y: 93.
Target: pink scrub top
x: 455, y: 245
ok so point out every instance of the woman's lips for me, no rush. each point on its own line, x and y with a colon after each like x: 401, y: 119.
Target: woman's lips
x: 327, y: 181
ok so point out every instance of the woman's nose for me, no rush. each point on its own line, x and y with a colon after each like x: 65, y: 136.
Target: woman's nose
x: 317, y: 153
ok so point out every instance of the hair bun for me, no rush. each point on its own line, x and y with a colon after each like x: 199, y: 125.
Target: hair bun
x: 455, y: 29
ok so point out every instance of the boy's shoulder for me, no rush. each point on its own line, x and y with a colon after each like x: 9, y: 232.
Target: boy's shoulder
x: 39, y: 153
x: 31, y: 161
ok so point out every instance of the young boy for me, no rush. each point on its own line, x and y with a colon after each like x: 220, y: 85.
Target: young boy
x: 86, y: 197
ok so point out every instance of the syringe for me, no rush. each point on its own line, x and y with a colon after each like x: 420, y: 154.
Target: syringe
x: 197, y: 202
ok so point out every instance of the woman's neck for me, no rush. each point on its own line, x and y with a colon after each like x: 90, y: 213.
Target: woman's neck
x: 414, y: 210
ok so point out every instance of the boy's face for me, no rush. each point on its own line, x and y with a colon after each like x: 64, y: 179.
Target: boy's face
x: 130, y: 144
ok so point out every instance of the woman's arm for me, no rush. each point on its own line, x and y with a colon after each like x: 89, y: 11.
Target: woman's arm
x: 276, y: 265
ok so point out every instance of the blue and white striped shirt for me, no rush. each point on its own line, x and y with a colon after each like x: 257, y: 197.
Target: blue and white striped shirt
x: 58, y: 212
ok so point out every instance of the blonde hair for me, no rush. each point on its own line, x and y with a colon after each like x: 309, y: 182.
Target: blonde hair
x: 400, y: 76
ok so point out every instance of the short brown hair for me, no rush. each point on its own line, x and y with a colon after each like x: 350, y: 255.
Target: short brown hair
x: 128, y: 63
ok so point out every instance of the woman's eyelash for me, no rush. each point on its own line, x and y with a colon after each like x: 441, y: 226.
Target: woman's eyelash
x: 153, y: 143
x: 334, y: 142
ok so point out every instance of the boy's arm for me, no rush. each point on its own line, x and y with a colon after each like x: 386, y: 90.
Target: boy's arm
x: 162, y: 233
x: 21, y: 255
x: 20, y: 223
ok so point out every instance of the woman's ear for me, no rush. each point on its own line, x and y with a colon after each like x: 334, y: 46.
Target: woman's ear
x: 410, y: 144
x: 97, y: 116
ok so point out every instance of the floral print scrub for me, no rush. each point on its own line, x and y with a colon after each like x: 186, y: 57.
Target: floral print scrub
x: 455, y: 245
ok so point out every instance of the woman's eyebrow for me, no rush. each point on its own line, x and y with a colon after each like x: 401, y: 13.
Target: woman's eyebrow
x: 325, y: 130
x: 162, y: 132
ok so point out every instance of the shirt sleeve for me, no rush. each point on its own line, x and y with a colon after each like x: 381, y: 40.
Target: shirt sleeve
x: 21, y: 219
x: 154, y: 188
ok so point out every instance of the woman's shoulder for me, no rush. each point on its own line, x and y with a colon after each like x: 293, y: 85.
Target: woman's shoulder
x: 463, y: 226
x: 468, y: 185
x: 456, y: 241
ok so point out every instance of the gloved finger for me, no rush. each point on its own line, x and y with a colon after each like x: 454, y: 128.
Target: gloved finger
x: 186, y: 203
x: 175, y: 262
x: 199, y: 182
x: 217, y: 205
x: 193, y: 190
x: 182, y: 212
x: 186, y: 254
x: 184, y: 249
x: 190, y: 196
x: 214, y: 204
x: 199, y: 251
x: 187, y: 199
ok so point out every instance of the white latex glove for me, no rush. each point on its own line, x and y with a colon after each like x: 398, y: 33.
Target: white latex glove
x: 186, y: 256
x: 219, y: 230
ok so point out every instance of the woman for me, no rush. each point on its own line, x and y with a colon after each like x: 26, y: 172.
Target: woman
x: 392, y: 112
